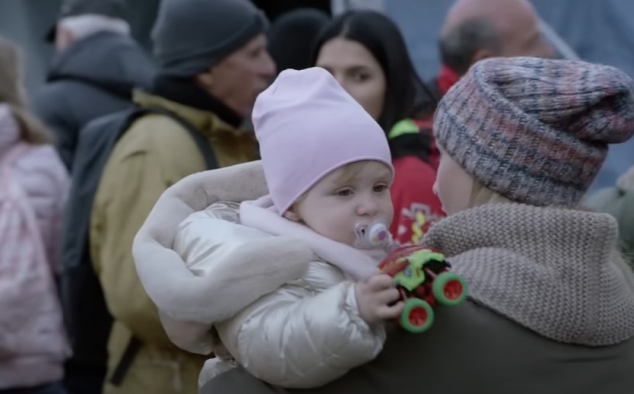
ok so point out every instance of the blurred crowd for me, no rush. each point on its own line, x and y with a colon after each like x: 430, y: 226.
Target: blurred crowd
x: 83, y: 161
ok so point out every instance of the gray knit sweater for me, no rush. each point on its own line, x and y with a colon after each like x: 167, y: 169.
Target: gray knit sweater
x: 550, y: 270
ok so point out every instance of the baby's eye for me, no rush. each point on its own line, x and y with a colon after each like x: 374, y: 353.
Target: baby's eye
x: 380, y: 188
x: 344, y: 193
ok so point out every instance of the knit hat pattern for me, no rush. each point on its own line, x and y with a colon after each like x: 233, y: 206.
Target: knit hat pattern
x: 535, y: 130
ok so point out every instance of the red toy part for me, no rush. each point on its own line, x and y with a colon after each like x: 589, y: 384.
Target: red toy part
x: 417, y: 315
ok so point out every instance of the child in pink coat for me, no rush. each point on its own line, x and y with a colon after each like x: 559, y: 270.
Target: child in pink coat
x: 33, y: 187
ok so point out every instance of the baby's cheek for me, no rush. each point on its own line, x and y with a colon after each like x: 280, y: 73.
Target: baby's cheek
x: 387, y: 211
x: 342, y: 231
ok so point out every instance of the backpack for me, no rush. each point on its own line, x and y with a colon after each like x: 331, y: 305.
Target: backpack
x: 27, y: 278
x: 86, y: 314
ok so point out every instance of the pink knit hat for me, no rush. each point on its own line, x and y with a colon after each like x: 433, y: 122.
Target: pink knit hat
x: 307, y: 127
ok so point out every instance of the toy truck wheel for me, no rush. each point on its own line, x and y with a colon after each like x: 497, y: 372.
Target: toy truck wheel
x: 449, y: 289
x: 417, y: 316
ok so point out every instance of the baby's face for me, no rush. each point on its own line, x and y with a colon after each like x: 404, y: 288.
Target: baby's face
x: 355, y: 194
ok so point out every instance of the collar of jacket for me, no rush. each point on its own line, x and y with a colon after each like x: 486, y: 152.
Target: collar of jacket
x: 185, y: 94
x: 201, y: 120
x: 205, y: 121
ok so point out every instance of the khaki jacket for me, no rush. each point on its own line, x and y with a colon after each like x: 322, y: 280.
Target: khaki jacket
x: 153, y: 154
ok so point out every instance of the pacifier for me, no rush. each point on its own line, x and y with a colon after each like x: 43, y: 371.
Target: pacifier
x: 371, y: 236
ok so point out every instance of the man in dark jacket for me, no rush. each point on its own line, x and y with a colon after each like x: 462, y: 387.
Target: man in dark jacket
x: 96, y: 66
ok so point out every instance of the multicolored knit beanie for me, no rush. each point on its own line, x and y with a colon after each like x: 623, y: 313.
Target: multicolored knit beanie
x: 535, y: 130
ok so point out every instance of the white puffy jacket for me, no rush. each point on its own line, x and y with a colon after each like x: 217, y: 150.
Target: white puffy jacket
x: 291, y: 321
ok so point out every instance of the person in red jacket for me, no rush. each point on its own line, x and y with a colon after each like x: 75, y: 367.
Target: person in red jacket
x: 366, y: 53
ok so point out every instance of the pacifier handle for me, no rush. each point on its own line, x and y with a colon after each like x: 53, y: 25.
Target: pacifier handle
x: 377, y: 234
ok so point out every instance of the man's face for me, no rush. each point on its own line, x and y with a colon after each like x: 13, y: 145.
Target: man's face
x: 515, y: 23
x: 239, y: 78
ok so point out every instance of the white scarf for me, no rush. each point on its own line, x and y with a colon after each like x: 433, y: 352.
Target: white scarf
x: 359, y: 264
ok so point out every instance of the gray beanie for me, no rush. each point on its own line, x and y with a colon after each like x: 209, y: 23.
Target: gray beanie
x: 190, y: 36
x: 536, y: 130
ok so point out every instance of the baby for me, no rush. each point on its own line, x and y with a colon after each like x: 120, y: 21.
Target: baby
x: 328, y: 169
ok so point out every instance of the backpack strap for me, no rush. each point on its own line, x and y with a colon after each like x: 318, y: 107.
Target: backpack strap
x: 201, y: 142
x: 131, y: 350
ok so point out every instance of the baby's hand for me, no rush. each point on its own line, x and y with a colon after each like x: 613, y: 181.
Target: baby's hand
x: 374, y: 297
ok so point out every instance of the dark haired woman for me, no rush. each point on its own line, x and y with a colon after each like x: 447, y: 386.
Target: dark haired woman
x: 366, y: 53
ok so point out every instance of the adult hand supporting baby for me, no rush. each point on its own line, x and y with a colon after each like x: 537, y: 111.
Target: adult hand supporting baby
x: 374, y: 298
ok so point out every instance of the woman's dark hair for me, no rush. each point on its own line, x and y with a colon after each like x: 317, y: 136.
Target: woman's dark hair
x: 291, y: 37
x: 406, y: 96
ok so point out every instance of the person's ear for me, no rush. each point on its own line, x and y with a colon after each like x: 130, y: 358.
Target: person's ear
x: 206, y: 80
x: 63, y: 38
x: 481, y: 54
x: 292, y: 215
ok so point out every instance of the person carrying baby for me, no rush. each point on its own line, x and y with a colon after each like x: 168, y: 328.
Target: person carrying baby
x: 328, y: 169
